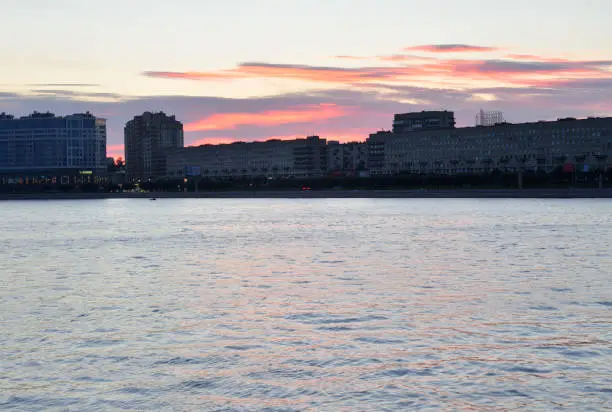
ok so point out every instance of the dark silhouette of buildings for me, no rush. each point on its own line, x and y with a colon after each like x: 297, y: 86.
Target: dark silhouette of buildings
x: 43, y: 148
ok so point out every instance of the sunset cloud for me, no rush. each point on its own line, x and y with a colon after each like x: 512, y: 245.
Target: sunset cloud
x: 404, y: 58
x: 396, y: 58
x: 411, y: 69
x: 517, y: 71
x: 222, y: 75
x: 533, y: 57
x: 322, y: 74
x: 515, y: 68
x: 346, y: 57
x: 303, y: 114
x: 348, y: 103
x: 114, y: 150
x: 356, y: 112
x: 64, y: 85
x: 451, y: 48
x: 326, y: 74
x: 78, y: 95
x: 592, y: 85
x: 341, y: 137
x: 213, y: 140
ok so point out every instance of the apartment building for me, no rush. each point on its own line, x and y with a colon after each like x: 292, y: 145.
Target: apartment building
x: 146, y: 138
x: 346, y: 158
x: 272, y: 158
x: 425, y: 120
x: 544, y: 145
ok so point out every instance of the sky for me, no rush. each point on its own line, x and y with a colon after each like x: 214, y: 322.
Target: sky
x: 259, y: 69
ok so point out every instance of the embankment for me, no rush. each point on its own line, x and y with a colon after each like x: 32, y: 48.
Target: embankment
x: 331, y: 194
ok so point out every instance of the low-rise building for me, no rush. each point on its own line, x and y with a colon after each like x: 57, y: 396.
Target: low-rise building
x: 272, y: 159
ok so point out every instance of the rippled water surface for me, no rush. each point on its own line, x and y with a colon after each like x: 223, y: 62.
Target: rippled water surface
x: 306, y: 304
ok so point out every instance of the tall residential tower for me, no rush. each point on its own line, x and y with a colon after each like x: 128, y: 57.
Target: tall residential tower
x: 147, y: 137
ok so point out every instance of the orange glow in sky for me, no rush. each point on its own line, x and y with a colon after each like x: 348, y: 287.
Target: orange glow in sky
x: 304, y: 114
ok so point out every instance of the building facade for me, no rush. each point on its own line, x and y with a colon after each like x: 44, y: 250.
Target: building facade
x: 346, y: 158
x: 585, y: 144
x: 375, y: 144
x: 271, y: 159
x: 489, y: 118
x: 62, y: 149
x: 147, y: 138
x: 425, y: 120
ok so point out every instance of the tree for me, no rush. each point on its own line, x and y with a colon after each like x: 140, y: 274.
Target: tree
x: 118, y: 164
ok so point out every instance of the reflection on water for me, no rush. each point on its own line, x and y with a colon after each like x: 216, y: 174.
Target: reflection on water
x: 343, y: 304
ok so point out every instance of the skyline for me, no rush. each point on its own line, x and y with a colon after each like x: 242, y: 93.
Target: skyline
x: 339, y: 69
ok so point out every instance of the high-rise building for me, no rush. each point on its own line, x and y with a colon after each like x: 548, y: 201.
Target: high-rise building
x: 425, y: 120
x: 42, y: 144
x: 489, y: 118
x: 147, y: 138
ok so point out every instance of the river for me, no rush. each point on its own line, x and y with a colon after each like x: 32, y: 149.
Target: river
x: 306, y: 304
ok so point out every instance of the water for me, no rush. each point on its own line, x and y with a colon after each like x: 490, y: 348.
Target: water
x: 343, y: 304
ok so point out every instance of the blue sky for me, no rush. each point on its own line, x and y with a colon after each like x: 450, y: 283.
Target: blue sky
x: 226, y: 68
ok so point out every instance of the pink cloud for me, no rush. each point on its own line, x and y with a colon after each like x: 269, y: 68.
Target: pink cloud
x: 298, y: 72
x: 212, y: 140
x: 415, y: 69
x: 451, y: 48
x: 300, y: 114
x: 535, y: 58
x: 115, y: 150
x: 343, y: 137
x: 347, y: 103
x: 222, y: 75
x: 405, y: 58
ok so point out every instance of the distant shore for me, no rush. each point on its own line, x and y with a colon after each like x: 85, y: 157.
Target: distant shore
x: 331, y: 194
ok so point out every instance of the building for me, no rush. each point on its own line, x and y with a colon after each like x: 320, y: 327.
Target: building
x: 425, y: 120
x: 310, y: 157
x: 271, y: 159
x: 582, y: 144
x: 147, y: 137
x: 376, y: 150
x: 346, y: 158
x: 489, y: 118
x: 44, y: 148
